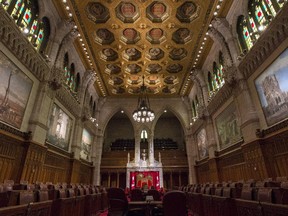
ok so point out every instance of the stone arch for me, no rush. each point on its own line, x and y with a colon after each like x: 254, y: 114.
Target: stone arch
x: 175, y: 112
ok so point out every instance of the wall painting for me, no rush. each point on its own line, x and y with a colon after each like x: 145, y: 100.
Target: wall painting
x: 272, y: 88
x: 15, y: 88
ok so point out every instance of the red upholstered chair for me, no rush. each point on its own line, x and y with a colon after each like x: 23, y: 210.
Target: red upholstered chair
x: 118, y: 203
x: 155, y: 193
x: 137, y: 195
x: 174, y: 203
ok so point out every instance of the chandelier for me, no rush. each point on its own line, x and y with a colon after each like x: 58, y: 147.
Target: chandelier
x: 143, y: 113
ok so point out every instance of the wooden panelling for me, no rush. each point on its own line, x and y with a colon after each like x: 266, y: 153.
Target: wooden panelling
x: 11, y: 153
x: 21, y: 159
x: 263, y: 158
x: 56, y: 168
x: 35, y: 156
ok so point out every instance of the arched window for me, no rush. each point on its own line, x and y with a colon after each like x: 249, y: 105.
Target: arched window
x: 94, y: 110
x: 77, y: 83
x: 91, y: 103
x: 216, y: 76
x: 260, y: 14
x: 221, y: 68
x: 71, y: 78
x: 210, y: 82
x: 25, y: 13
x: 194, y: 109
x: 66, y: 68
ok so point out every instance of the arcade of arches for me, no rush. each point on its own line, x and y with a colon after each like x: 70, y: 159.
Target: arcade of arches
x: 71, y: 72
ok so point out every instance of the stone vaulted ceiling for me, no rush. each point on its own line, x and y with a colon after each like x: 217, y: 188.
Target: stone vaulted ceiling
x: 131, y: 41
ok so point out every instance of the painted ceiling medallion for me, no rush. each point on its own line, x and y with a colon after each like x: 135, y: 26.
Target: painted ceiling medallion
x: 130, y: 36
x: 118, y: 90
x: 131, y: 54
x: 153, y: 68
x: 127, y: 12
x: 108, y: 54
x: 153, y: 80
x: 115, y: 80
x: 187, y: 12
x: 152, y: 90
x: 103, y: 36
x: 155, y: 36
x: 181, y: 36
x: 155, y: 54
x: 157, y: 12
x: 134, y: 80
x: 132, y: 69
x: 97, y: 12
x: 178, y: 53
x: 174, y: 68
x: 134, y: 90
x: 171, y: 80
x: 112, y: 69
x: 168, y: 90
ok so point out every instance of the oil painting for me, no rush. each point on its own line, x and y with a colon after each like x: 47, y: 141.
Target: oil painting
x: 60, y: 125
x: 272, y: 88
x: 86, y: 145
x: 228, y: 127
x: 15, y: 88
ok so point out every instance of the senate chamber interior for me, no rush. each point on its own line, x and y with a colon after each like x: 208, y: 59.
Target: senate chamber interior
x: 143, y: 107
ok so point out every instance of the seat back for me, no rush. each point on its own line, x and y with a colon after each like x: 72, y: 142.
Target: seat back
x: 136, y: 195
x: 118, y: 203
x: 155, y: 193
x: 174, y: 203
x: 26, y: 197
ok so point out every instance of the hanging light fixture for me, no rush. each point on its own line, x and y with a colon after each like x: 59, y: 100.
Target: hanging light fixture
x: 143, y: 113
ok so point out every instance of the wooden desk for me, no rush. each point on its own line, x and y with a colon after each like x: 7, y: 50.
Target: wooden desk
x: 145, y: 205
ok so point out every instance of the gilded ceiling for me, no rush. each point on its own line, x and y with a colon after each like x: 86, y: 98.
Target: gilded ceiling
x: 131, y: 42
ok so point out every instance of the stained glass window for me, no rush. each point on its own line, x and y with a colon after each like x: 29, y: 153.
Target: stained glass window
x: 247, y: 37
x: 271, y: 7
x: 261, y: 12
x: 40, y: 38
x: 16, y: 11
x: 26, y: 18
x: 194, y: 112
x: 25, y: 14
x: 221, y: 68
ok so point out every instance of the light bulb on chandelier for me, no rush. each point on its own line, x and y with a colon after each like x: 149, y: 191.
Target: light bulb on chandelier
x: 143, y: 113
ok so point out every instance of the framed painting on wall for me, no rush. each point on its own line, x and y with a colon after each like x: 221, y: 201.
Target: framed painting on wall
x: 15, y: 88
x: 85, y: 145
x: 272, y: 89
x: 228, y: 128
x: 202, y: 144
x: 60, y: 125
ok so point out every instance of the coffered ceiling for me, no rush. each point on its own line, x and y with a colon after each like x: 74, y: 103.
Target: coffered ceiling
x: 127, y: 42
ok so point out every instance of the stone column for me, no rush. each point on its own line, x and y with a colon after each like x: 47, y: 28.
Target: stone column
x: 43, y: 104
x: 96, y: 159
x: 249, y: 121
x: 151, y: 149
x: 191, y: 150
x: 77, y: 138
x: 137, y: 147
x: 212, y: 144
